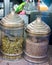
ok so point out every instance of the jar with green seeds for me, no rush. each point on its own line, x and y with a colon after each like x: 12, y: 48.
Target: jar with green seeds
x: 12, y: 36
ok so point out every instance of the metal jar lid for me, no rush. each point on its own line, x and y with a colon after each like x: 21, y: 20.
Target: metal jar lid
x: 12, y: 20
x: 38, y: 27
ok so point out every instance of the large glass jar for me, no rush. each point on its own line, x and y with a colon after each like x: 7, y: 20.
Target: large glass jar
x: 37, y: 40
x: 12, y: 37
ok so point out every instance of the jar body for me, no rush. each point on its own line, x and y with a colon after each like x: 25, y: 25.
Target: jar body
x: 36, y: 47
x: 12, y: 42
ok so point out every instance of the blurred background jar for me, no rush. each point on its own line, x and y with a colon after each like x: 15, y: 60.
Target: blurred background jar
x: 37, y: 39
x: 12, y: 36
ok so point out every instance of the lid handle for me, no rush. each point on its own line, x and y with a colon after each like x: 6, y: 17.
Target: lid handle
x: 38, y: 20
x: 12, y: 12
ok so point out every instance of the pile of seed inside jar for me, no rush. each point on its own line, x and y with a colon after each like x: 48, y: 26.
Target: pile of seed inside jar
x: 12, y: 48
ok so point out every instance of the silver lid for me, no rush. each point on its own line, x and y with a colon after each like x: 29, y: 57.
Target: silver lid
x: 12, y: 20
x: 38, y: 27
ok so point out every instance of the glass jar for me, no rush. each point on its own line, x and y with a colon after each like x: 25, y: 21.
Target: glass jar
x: 30, y: 7
x: 37, y: 39
x: 12, y: 37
